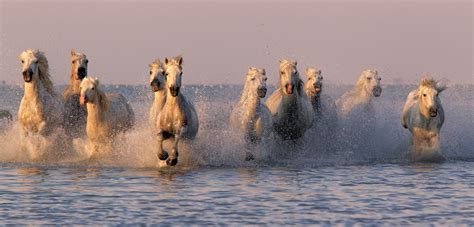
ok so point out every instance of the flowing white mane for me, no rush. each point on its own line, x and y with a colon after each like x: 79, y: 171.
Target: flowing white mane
x: 43, y: 68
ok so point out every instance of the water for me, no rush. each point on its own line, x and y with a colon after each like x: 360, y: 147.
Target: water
x: 373, y: 194
x: 294, y: 184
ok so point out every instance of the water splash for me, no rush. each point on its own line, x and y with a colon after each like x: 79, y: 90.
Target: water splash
x: 217, y: 145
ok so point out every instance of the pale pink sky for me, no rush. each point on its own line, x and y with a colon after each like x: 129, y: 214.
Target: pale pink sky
x: 220, y: 39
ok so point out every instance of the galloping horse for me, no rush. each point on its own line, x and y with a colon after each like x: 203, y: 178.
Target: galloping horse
x: 250, y: 117
x: 423, y: 115
x: 157, y: 84
x: 75, y: 115
x: 178, y: 117
x: 291, y: 110
x: 324, y: 107
x: 40, y: 108
x: 107, y: 115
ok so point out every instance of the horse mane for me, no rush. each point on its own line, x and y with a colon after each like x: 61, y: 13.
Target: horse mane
x: 310, y: 71
x: 103, y: 101
x: 429, y: 82
x: 361, y: 80
x: 156, y: 63
x: 43, y: 70
x: 176, y: 61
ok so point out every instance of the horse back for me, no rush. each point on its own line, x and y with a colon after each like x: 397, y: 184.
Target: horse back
x: 121, y: 113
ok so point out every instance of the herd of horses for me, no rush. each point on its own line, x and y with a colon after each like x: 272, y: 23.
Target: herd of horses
x: 295, y: 108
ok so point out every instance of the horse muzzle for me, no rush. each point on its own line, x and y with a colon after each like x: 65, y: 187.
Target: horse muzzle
x: 174, y: 90
x: 289, y: 88
x: 377, y: 91
x: 261, y: 92
x: 83, y: 100
x: 317, y: 87
x: 433, y: 112
x: 155, y: 85
x: 28, y: 75
x: 81, y: 73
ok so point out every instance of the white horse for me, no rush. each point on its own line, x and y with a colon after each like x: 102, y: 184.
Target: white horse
x: 178, y: 117
x: 107, y: 115
x: 423, y: 115
x: 357, y: 120
x: 157, y: 84
x: 324, y: 107
x: 290, y: 107
x: 250, y: 117
x: 360, y: 97
x: 40, y: 108
x: 75, y: 115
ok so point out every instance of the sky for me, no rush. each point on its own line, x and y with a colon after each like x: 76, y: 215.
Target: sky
x: 219, y: 40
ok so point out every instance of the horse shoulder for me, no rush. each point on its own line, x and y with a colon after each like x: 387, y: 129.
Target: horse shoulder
x: 274, y: 101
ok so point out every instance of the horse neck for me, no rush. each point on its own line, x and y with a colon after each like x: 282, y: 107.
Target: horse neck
x: 316, y: 101
x: 160, y: 98
x: 34, y: 90
x: 173, y: 101
x: 249, y: 101
x: 362, y: 95
x: 74, y: 85
x: 96, y: 113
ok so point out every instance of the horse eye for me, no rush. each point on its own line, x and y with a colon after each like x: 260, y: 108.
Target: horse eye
x: 151, y: 72
x: 265, y: 79
x: 281, y: 72
x: 22, y: 62
x: 253, y: 78
x: 322, y: 78
x: 380, y: 78
x: 368, y: 78
x: 93, y: 88
x: 424, y: 95
x: 87, y: 61
x: 36, y: 62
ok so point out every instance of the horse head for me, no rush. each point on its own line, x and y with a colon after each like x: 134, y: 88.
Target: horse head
x: 89, y: 90
x: 30, y: 65
x: 157, y: 76
x: 427, y: 95
x: 173, y: 74
x: 289, y: 77
x: 314, y: 85
x: 78, y: 65
x: 256, y: 81
x: 369, y: 81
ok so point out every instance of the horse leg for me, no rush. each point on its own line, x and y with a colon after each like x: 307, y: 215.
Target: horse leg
x: 173, y: 159
x: 162, y: 155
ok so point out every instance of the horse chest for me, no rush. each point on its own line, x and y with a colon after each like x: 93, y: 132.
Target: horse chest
x: 172, y: 119
x: 31, y: 114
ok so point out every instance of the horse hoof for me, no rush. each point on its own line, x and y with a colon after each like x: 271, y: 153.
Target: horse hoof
x: 172, y: 162
x: 163, y: 156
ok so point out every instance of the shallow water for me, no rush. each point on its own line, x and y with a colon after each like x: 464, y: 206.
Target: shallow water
x: 372, y: 194
x: 303, y: 183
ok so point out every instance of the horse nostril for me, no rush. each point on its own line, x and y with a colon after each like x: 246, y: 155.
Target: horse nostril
x: 25, y: 73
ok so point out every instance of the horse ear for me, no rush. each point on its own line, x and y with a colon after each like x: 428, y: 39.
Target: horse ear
x: 263, y: 72
x: 319, y: 71
x: 73, y: 52
x: 96, y: 82
x: 166, y: 61
x: 179, y: 59
x: 295, y: 63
